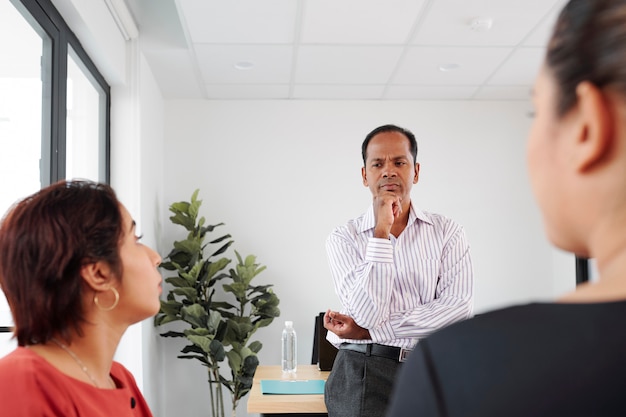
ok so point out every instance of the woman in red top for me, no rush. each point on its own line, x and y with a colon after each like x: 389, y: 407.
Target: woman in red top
x: 76, y: 277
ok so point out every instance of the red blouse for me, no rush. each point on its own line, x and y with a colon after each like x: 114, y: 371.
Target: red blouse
x: 30, y: 386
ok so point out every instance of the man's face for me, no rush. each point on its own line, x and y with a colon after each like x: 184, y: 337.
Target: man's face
x: 389, y: 166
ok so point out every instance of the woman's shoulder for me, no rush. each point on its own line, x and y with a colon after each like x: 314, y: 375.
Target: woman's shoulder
x: 24, y: 371
x: 535, y: 316
x: 543, y: 325
x: 20, y: 362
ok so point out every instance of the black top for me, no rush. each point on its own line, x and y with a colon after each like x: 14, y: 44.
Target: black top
x: 532, y: 360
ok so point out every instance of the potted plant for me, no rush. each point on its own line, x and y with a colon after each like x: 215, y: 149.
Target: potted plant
x: 219, y: 325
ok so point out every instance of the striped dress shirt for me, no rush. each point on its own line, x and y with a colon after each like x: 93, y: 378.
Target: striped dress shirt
x: 401, y: 289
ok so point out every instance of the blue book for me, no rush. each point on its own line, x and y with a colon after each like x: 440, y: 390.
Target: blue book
x: 296, y: 386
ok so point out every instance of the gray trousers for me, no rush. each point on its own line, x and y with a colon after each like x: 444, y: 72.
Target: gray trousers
x: 359, y: 385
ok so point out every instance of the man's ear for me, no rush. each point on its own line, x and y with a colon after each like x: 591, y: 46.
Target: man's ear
x: 594, y: 137
x: 417, y: 173
x: 364, y: 175
x: 98, y: 275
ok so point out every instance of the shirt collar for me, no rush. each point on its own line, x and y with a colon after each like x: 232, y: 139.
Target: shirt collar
x: 415, y: 214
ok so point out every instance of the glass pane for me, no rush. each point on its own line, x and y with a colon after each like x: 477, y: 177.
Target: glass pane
x: 24, y: 131
x: 6, y: 343
x: 85, y: 136
x: 21, y: 91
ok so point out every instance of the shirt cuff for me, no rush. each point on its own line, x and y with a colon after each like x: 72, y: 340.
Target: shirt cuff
x: 382, y: 334
x: 379, y: 250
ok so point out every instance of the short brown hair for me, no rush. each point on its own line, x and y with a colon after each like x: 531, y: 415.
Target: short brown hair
x: 45, y: 239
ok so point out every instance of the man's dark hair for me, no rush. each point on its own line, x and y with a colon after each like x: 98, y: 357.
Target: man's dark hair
x: 390, y: 128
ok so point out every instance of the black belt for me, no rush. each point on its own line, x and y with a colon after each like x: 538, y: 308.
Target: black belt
x: 374, y: 349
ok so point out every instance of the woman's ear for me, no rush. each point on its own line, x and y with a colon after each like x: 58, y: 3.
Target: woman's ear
x: 98, y: 275
x: 594, y: 139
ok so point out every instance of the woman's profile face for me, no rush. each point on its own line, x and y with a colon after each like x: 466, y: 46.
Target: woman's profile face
x: 546, y: 150
x: 140, y: 286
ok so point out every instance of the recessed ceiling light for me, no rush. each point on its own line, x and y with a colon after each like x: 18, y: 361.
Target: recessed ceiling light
x: 244, y: 65
x: 449, y: 67
x: 481, y: 24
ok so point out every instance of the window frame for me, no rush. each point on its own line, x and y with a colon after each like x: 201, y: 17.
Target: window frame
x: 54, y: 93
x: 62, y: 37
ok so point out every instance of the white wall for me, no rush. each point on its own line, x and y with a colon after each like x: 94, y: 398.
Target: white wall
x: 281, y: 175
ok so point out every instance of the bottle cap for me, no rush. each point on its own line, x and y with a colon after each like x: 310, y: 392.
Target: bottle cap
x: 289, y: 323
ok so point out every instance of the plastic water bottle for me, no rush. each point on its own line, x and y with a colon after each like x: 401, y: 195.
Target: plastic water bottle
x: 289, y: 348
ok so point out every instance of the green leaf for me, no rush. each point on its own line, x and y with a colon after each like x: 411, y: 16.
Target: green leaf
x: 171, y: 308
x: 234, y: 360
x: 168, y: 266
x: 222, y: 249
x: 179, y: 207
x: 178, y: 282
x: 194, y: 315
x: 203, y: 342
x: 237, y: 288
x: 250, y: 363
x: 194, y: 195
x: 220, y: 239
x: 183, y: 220
x: 214, y: 321
x: 216, y: 305
x: 250, y: 260
x: 217, y: 350
x: 215, y: 267
x: 191, y: 247
x: 193, y: 349
x: 199, y: 331
x: 198, y: 357
x: 173, y: 334
x: 163, y: 319
x: 194, y: 208
x: 188, y: 293
x: 255, y: 346
x: 264, y: 322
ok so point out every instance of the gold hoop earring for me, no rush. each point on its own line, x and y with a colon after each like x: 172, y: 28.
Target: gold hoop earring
x: 117, y: 300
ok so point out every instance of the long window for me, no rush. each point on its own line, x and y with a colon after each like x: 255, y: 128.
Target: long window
x: 54, y: 108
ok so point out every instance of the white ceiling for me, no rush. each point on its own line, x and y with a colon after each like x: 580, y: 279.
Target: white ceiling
x: 344, y: 49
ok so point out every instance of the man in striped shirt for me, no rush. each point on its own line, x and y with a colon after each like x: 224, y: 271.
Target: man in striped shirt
x: 400, y: 274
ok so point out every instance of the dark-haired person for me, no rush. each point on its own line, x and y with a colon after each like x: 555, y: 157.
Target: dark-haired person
x: 566, y: 358
x: 399, y: 272
x: 76, y: 277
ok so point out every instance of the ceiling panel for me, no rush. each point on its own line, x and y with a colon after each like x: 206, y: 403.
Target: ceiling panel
x: 239, y: 21
x: 449, y: 22
x: 520, y: 69
x: 503, y: 93
x: 541, y: 34
x: 247, y: 91
x: 338, y: 92
x: 270, y: 64
x: 421, y: 65
x: 346, y: 64
x: 430, y: 92
x: 359, y: 21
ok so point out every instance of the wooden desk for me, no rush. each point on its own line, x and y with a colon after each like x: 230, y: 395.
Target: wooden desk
x: 282, y: 405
